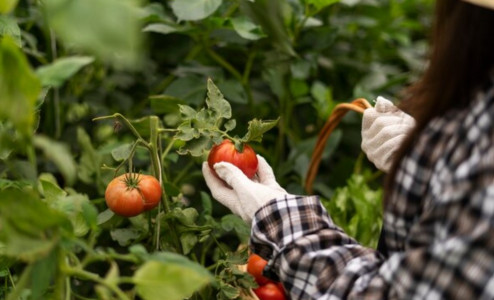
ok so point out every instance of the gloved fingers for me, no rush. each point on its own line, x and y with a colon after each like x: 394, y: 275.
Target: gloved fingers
x: 372, y: 119
x: 265, y: 173
x: 375, y: 139
x: 383, y: 105
x: 218, y: 188
x: 233, y: 176
x: 386, y: 134
x: 383, y: 124
x: 370, y: 115
x: 383, y: 154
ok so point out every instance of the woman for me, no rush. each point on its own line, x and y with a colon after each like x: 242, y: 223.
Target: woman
x: 438, y: 230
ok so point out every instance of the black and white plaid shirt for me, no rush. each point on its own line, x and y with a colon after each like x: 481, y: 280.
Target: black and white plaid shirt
x: 438, y: 225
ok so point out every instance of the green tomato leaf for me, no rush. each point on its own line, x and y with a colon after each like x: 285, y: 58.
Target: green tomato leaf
x: 177, y: 278
x: 43, y: 274
x: 19, y: 88
x: 354, y: 208
x: 257, y: 128
x: 89, y: 168
x: 186, y: 132
x: 200, y: 128
x: 188, y: 241
x: 233, y: 222
x: 207, y: 204
x: 125, y: 236
x: 50, y: 189
x: 56, y: 73
x: 230, y: 125
x: 122, y: 152
x: 162, y: 104
x: 9, y: 27
x: 187, y: 112
x: 160, y: 28
x: 196, y: 147
x: 60, y: 155
x: 30, y: 228
x: 217, y: 103
x: 247, y: 29
x: 228, y: 291
x: 193, y: 10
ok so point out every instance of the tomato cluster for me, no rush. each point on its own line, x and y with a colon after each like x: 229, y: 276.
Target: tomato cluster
x: 131, y: 194
x: 245, y: 159
x: 268, y: 289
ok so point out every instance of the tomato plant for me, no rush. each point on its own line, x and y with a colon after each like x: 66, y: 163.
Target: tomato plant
x: 131, y: 194
x: 255, y: 267
x: 245, y: 159
x: 269, y: 291
x: 269, y: 58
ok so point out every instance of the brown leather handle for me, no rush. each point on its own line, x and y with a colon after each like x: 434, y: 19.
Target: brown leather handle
x: 357, y: 105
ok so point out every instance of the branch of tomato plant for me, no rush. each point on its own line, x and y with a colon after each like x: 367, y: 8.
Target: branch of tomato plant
x: 129, y: 158
x: 231, y: 10
x: 156, y: 158
x: 301, y: 24
x: 153, y: 147
x: 86, y: 275
x: 23, y: 281
x: 246, y: 75
x: 124, y: 120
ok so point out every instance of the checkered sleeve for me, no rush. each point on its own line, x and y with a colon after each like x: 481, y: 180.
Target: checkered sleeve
x: 316, y: 260
x: 311, y: 256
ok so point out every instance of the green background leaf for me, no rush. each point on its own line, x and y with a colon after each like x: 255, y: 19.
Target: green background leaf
x: 193, y: 10
x: 176, y: 280
x: 56, y: 73
x: 108, y: 29
x: 19, y: 87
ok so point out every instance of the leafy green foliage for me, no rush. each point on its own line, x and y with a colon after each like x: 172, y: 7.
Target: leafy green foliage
x: 146, y: 65
x: 170, y: 275
x: 109, y: 29
x: 19, y: 87
x: 202, y: 129
x: 353, y: 208
x: 55, y: 74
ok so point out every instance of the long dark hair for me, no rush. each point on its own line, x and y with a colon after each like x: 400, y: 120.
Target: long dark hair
x: 460, y: 60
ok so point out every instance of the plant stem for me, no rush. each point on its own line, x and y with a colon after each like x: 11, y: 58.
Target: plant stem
x: 124, y: 120
x: 68, y: 290
x: 70, y: 271
x: 221, y: 61
x: 11, y: 279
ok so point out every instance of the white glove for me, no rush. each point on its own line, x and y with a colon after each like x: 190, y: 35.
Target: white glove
x: 240, y: 194
x: 484, y: 3
x: 384, y: 128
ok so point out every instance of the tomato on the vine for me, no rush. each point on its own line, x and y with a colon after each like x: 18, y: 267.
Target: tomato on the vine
x: 131, y: 194
x: 269, y: 291
x: 255, y: 266
x: 245, y: 159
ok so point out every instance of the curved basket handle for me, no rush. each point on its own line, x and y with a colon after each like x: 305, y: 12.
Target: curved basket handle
x: 357, y: 105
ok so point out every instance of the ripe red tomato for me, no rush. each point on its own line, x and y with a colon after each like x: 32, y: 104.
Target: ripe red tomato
x: 130, y: 194
x: 255, y: 265
x: 226, y: 151
x: 269, y: 291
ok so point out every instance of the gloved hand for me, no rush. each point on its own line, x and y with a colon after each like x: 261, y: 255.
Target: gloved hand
x: 384, y: 128
x: 483, y: 3
x: 240, y: 194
